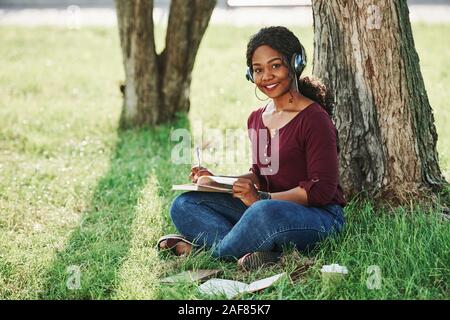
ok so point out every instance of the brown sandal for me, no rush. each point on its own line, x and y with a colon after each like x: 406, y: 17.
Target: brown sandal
x: 172, y: 241
x: 255, y: 260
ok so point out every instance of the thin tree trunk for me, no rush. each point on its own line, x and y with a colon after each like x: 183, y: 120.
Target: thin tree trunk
x: 364, y: 51
x: 157, y: 86
x: 142, y: 90
x: 188, y: 21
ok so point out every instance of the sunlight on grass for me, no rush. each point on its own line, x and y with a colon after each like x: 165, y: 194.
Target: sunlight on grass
x: 139, y: 274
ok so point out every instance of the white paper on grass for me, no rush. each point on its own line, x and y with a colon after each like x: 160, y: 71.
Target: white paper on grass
x: 231, y: 288
x: 334, y: 268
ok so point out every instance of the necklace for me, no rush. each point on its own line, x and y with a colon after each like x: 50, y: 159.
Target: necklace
x: 273, y: 132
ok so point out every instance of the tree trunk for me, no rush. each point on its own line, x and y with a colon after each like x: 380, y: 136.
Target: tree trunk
x: 157, y: 85
x: 364, y: 52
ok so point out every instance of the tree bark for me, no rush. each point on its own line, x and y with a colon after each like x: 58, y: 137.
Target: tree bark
x: 364, y: 52
x: 157, y: 85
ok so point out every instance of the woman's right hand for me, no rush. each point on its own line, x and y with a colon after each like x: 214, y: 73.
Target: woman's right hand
x: 197, y: 172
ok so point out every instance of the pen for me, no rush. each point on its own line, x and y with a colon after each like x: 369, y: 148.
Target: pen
x: 198, y: 156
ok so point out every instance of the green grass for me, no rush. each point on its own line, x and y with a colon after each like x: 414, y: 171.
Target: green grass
x: 77, y: 192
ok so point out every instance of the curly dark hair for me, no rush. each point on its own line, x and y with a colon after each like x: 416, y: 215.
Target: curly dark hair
x: 287, y: 44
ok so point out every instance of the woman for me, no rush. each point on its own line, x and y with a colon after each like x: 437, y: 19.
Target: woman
x: 295, y: 198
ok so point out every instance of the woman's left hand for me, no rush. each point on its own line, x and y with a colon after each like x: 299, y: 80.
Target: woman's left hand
x: 245, y: 190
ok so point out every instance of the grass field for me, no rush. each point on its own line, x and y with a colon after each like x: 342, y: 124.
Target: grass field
x: 78, y: 195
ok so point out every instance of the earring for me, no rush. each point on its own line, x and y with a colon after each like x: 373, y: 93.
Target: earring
x: 256, y: 95
x: 291, y: 99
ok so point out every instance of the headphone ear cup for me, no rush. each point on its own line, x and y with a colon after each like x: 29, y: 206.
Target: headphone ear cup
x: 303, y: 55
x: 298, y: 64
x: 249, y: 75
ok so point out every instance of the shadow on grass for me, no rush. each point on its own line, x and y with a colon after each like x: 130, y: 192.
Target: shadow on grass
x: 98, y: 247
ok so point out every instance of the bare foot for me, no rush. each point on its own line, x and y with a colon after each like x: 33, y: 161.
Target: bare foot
x: 183, y: 248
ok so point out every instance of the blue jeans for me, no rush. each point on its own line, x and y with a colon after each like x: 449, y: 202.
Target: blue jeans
x: 231, y: 229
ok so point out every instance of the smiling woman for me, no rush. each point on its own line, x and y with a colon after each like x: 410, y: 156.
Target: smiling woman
x: 292, y: 194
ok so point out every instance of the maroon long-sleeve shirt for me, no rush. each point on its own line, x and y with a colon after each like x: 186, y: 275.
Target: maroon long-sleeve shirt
x: 307, y: 155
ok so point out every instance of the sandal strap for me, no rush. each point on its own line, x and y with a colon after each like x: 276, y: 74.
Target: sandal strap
x: 172, y: 240
x: 256, y: 260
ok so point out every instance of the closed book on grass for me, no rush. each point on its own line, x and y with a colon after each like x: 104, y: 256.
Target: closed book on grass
x: 208, y: 184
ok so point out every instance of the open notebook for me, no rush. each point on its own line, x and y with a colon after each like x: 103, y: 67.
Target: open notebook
x: 208, y: 184
x: 231, y: 288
